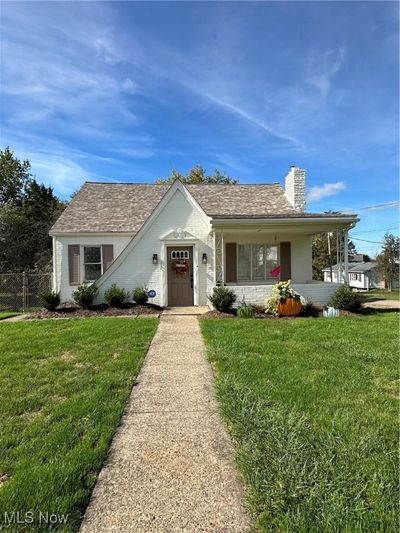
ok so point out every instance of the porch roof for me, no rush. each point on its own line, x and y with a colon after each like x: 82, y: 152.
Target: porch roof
x: 309, y: 223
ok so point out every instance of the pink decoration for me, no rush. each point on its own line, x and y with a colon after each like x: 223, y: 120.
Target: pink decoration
x: 276, y: 272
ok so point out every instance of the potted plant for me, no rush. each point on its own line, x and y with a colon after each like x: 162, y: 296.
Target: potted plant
x: 288, y: 300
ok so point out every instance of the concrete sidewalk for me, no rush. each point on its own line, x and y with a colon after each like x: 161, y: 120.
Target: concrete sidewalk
x: 170, y: 467
x: 383, y: 304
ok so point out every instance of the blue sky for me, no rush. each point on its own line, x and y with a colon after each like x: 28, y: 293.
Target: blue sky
x: 126, y: 91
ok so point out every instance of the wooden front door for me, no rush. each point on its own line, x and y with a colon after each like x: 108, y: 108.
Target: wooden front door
x: 180, y: 275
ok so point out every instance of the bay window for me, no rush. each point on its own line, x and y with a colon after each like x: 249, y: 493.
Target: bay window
x: 256, y: 262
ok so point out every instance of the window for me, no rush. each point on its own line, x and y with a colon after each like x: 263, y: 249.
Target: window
x: 180, y: 254
x: 91, y: 263
x: 355, y: 277
x: 244, y: 262
x: 256, y: 262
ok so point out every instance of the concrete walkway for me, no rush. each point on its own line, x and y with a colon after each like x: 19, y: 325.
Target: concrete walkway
x: 16, y: 318
x: 170, y: 468
x: 191, y: 310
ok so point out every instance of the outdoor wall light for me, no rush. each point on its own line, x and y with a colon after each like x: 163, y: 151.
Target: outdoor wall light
x: 204, y: 259
x: 155, y: 259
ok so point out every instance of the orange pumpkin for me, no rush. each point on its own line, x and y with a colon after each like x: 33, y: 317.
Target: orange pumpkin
x: 291, y: 307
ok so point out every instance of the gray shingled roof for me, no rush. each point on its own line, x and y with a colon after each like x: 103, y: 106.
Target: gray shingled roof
x: 241, y: 200
x: 124, y: 207
x: 354, y: 267
x: 109, y: 207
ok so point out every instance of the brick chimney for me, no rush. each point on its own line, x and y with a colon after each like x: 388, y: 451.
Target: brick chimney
x: 295, y: 188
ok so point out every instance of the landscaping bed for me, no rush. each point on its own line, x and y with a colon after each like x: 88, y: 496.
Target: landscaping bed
x: 65, y: 385
x: 312, y: 406
x: 97, y: 311
x: 260, y: 314
x: 284, y: 303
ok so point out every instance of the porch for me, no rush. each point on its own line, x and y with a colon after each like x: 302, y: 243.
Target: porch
x: 250, y: 256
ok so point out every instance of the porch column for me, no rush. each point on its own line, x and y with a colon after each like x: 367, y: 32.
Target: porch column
x: 346, y: 255
x: 218, y: 258
x: 215, y: 256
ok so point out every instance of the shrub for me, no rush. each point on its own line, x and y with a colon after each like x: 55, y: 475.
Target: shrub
x: 222, y: 298
x: 115, y: 297
x: 49, y: 299
x: 84, y: 295
x: 344, y: 298
x: 140, y: 296
x: 245, y: 311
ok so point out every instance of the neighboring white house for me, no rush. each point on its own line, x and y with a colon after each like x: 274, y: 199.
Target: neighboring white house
x: 181, y: 240
x: 362, y: 275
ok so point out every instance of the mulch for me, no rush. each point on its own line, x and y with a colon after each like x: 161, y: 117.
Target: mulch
x: 97, y: 311
x: 216, y: 315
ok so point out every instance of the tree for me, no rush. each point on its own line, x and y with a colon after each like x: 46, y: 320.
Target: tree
x: 15, y: 176
x: 320, y: 252
x: 26, y: 216
x: 197, y: 175
x: 388, y: 260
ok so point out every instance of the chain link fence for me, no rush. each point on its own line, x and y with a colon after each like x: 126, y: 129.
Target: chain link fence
x: 20, y: 291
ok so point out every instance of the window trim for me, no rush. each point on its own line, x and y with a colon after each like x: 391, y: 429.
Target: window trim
x: 251, y: 280
x: 83, y: 264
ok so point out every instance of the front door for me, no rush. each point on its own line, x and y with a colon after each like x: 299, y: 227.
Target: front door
x: 180, y: 275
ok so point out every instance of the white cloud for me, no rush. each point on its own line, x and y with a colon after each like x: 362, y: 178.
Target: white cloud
x: 58, y: 171
x: 327, y: 189
x: 253, y: 119
x: 105, y: 50
x: 323, y: 67
x: 129, y: 86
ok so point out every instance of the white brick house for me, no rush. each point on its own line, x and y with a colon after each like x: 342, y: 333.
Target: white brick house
x: 181, y: 240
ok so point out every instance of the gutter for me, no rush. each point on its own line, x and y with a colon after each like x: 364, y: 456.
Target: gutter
x: 91, y: 233
x: 283, y: 221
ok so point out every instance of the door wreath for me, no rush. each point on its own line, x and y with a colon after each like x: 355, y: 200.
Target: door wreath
x: 181, y: 266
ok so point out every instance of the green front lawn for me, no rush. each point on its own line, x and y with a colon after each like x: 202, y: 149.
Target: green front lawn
x: 7, y: 314
x: 381, y: 294
x: 312, y: 408
x: 64, y: 385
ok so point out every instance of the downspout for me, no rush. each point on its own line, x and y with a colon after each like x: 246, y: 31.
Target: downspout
x: 54, y: 281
